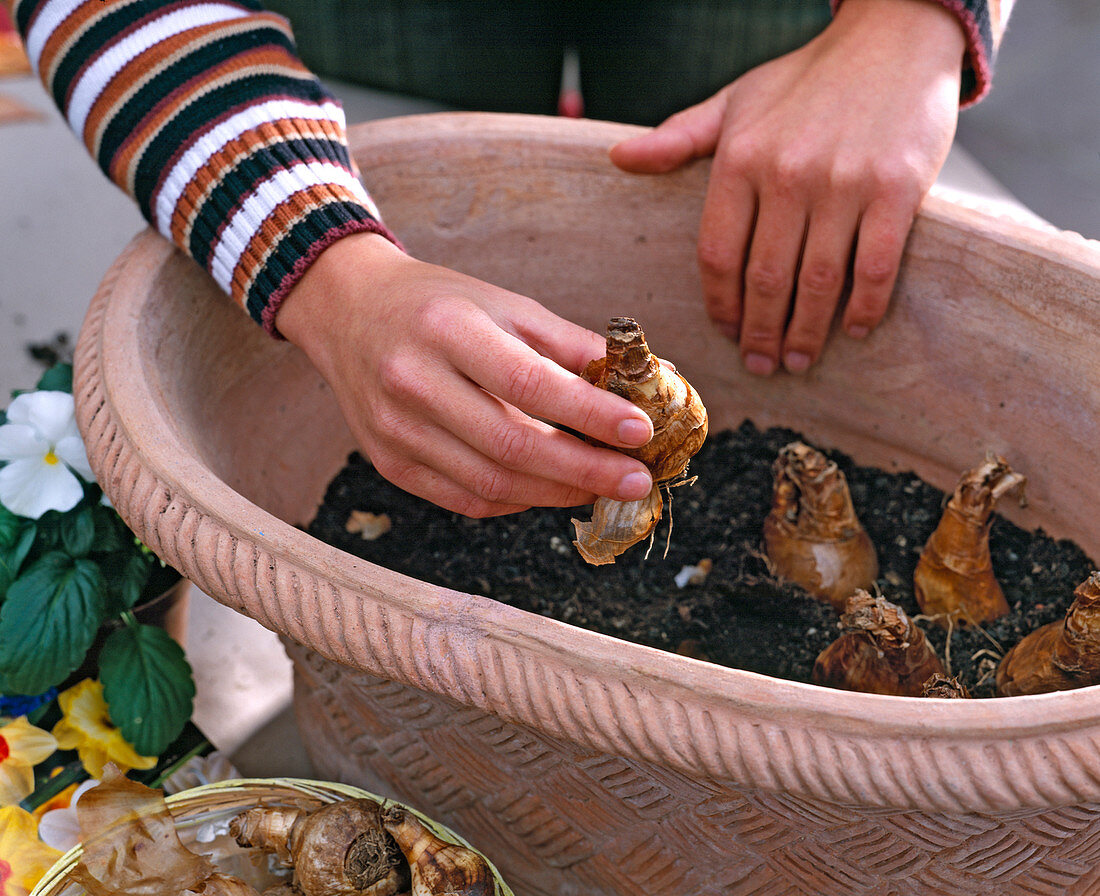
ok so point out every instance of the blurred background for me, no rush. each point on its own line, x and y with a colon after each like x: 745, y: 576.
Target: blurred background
x: 1031, y: 149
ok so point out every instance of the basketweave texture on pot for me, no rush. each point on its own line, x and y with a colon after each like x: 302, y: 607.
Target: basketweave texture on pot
x: 215, y: 442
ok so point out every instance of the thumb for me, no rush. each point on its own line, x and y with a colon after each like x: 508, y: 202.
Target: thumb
x: 687, y: 135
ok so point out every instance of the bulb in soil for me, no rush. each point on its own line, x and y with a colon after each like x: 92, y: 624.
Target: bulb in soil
x: 1058, y: 656
x: 954, y: 580
x: 812, y: 535
x: 945, y: 688
x: 880, y: 651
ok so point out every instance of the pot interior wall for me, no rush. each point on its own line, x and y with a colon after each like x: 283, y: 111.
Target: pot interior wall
x: 266, y: 424
x: 988, y: 346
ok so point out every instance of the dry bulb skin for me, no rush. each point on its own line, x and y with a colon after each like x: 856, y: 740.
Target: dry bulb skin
x: 131, y: 847
x: 679, y: 420
x: 438, y: 867
x: 880, y: 651
x: 616, y: 526
x: 812, y: 535
x: 954, y: 580
x: 341, y: 849
x: 1059, y: 656
x: 945, y: 688
x: 218, y: 884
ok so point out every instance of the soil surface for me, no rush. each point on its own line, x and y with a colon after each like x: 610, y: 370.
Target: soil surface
x: 740, y: 616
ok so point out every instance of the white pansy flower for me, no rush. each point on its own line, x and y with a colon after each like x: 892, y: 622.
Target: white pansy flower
x: 41, y: 449
x: 200, y: 770
x: 60, y: 828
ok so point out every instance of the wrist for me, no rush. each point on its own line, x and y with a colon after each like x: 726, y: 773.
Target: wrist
x: 317, y: 300
x: 924, y: 26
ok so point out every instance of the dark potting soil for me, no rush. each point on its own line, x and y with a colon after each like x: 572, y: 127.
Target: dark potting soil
x: 740, y: 616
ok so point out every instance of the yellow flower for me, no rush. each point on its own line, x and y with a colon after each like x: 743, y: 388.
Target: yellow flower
x: 23, y: 857
x: 86, y: 727
x: 22, y: 747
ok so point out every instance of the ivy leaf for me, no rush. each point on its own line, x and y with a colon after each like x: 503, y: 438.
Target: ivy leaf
x: 48, y: 621
x: 16, y: 539
x: 148, y: 686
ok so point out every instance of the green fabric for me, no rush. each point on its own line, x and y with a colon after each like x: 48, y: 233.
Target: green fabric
x: 640, y: 61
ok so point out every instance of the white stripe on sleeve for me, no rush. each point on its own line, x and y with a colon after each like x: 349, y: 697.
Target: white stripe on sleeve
x: 267, y: 196
x: 100, y: 73
x: 45, y: 23
x: 217, y: 137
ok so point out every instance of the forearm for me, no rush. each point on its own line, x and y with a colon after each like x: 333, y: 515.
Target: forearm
x: 983, y: 22
x: 203, y: 113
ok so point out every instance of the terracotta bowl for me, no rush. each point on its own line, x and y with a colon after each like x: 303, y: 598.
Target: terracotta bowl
x: 581, y: 763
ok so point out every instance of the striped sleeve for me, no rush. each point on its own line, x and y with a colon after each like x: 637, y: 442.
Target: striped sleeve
x: 984, y: 22
x: 204, y: 114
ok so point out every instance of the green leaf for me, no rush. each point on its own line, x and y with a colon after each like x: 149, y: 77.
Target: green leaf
x: 148, y: 686
x: 49, y: 530
x: 126, y: 577
x: 111, y: 534
x: 48, y: 621
x: 9, y: 526
x: 78, y: 531
x: 16, y: 539
x: 58, y: 378
x: 12, y: 559
x: 12, y: 527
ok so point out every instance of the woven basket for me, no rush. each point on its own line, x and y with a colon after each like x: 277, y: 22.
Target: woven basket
x: 202, y: 815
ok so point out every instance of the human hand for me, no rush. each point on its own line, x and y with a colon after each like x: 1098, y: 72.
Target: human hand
x: 821, y: 160
x: 447, y: 383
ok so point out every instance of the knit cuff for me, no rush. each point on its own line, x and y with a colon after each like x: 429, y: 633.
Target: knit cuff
x: 258, y: 221
x: 299, y: 247
x: 977, y: 74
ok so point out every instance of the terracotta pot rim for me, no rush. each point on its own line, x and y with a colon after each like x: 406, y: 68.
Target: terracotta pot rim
x: 168, y: 495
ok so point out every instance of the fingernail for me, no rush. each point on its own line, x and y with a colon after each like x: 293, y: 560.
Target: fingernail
x: 633, y: 431
x: 761, y: 365
x: 858, y: 331
x: 634, y: 486
x: 796, y: 362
